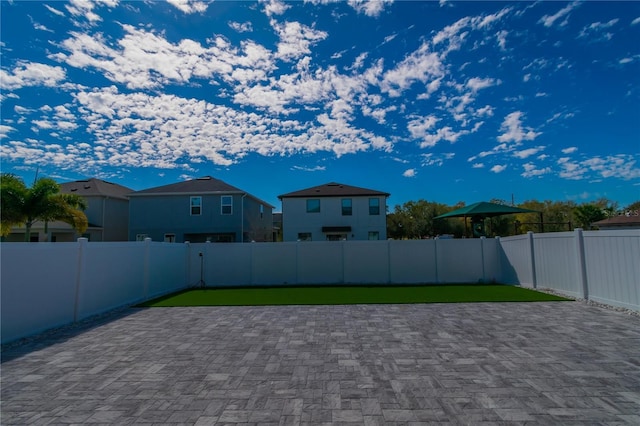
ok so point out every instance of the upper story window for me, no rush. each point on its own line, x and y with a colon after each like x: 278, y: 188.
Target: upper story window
x: 347, y: 208
x: 374, y: 206
x: 196, y: 206
x: 226, y: 204
x: 261, y: 211
x: 313, y: 206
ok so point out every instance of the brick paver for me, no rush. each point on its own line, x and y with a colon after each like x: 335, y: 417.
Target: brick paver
x: 492, y: 363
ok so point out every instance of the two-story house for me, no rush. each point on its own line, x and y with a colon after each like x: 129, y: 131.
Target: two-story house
x: 107, y: 213
x: 199, y: 210
x: 334, y: 212
x: 107, y: 208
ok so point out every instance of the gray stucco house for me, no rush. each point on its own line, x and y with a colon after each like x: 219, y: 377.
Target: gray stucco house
x: 334, y: 212
x: 107, y: 208
x: 107, y: 213
x: 199, y: 210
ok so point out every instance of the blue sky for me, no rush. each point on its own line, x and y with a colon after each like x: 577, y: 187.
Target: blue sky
x: 445, y: 101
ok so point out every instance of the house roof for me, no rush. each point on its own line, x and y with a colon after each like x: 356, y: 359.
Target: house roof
x: 198, y: 186
x: 95, y: 187
x: 333, y: 189
x: 621, y: 220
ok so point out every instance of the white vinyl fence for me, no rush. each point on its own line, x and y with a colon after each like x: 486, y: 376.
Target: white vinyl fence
x: 347, y: 262
x: 603, y: 266
x: 45, y: 285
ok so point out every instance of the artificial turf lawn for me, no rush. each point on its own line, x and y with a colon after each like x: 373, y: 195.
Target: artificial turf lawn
x: 347, y: 295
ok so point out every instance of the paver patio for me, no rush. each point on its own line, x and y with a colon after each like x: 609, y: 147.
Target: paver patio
x: 493, y: 363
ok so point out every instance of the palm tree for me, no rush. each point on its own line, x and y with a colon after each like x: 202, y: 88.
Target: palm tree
x: 20, y: 205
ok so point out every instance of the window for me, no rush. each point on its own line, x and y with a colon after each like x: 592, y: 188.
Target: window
x: 347, y: 209
x: 304, y: 236
x: 374, y: 235
x: 226, y: 204
x: 261, y: 211
x: 313, y: 206
x: 374, y: 206
x: 196, y: 206
x: 169, y: 238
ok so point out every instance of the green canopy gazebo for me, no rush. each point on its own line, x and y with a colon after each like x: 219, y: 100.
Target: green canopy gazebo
x: 478, y: 212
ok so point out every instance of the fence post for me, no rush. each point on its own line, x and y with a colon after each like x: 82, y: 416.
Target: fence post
x: 188, y: 265
x: 532, y: 255
x: 581, y: 263
x: 435, y: 258
x: 82, y: 242
x: 147, y: 265
x: 484, y: 272
x: 500, y: 273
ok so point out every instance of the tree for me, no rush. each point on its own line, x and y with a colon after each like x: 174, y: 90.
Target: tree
x: 586, y: 214
x: 20, y: 205
x: 415, y: 220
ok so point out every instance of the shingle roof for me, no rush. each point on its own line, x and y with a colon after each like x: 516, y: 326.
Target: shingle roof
x: 201, y: 185
x: 95, y: 187
x: 204, y: 184
x: 621, y: 220
x: 333, y: 189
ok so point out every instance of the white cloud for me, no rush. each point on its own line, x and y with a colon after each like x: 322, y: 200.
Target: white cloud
x: 371, y: 8
x: 54, y: 11
x: 513, y: 130
x: 244, y: 27
x: 189, y: 6
x: 531, y: 170
x: 502, y: 39
x: 147, y: 60
x: 570, y: 150
x: 420, y: 127
x: 275, y: 7
x: 478, y: 165
x: 309, y: 169
x: 296, y: 39
x: 526, y: 153
x: 475, y: 84
x: 4, y: 130
x: 409, y: 173
x: 432, y: 159
x: 498, y: 168
x: 422, y: 65
x: 166, y: 131
x: 31, y: 74
x: 612, y: 166
x: 636, y: 21
x: 549, y: 20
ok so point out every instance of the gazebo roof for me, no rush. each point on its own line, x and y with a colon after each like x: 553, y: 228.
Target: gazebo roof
x: 484, y: 210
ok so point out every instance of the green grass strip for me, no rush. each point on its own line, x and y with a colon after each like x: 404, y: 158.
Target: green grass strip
x: 347, y: 295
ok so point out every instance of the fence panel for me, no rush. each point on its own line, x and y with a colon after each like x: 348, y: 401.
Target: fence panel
x: 459, y: 261
x: 515, y: 259
x: 273, y: 263
x: 320, y: 262
x: 224, y: 264
x: 167, y: 268
x: 556, y: 262
x: 413, y: 261
x: 366, y: 262
x: 38, y: 287
x: 112, y: 275
x: 612, y: 260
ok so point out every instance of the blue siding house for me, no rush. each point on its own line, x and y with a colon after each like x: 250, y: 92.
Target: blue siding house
x: 199, y: 210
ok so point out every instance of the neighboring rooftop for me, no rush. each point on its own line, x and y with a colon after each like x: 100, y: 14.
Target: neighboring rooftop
x: 333, y: 189
x: 201, y: 185
x: 617, y: 222
x: 95, y: 187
